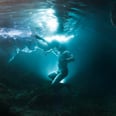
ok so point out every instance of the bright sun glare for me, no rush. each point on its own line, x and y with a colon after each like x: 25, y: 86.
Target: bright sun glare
x: 60, y: 38
x: 46, y: 20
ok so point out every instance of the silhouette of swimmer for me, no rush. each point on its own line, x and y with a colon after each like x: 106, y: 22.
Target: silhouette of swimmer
x: 46, y: 46
x: 64, y: 57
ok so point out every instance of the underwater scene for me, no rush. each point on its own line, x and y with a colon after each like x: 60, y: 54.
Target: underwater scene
x: 58, y: 57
